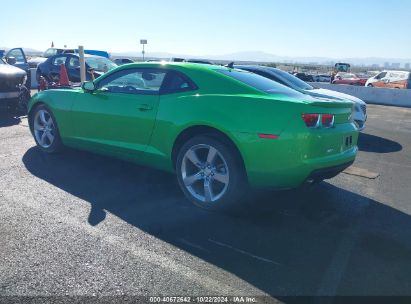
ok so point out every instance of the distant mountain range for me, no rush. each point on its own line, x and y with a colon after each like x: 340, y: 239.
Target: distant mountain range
x: 258, y: 56
x: 254, y: 56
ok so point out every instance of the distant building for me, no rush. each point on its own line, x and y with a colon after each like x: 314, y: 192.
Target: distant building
x: 386, y: 65
x: 375, y: 66
x: 407, y: 66
x: 396, y: 65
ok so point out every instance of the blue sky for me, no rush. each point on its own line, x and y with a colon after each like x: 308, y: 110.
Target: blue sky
x: 328, y: 28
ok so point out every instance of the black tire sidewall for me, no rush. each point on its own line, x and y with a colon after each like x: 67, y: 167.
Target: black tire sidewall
x: 237, y: 179
x: 57, y: 144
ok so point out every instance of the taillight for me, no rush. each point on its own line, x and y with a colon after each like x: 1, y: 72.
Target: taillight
x: 318, y: 120
x: 327, y: 120
x: 311, y: 120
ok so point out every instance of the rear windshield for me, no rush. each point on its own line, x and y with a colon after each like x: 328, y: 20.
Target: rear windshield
x: 293, y: 81
x: 260, y: 83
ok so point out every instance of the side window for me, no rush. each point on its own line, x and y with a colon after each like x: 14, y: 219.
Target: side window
x: 134, y: 81
x: 74, y: 63
x: 177, y: 82
x: 59, y: 60
x: 382, y: 75
x: 50, y: 52
x: 18, y: 54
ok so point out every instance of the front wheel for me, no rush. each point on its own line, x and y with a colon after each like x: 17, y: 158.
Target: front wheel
x: 210, y: 173
x: 45, y: 131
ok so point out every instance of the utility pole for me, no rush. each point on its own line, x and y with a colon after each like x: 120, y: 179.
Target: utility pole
x: 82, y: 64
x: 143, y: 42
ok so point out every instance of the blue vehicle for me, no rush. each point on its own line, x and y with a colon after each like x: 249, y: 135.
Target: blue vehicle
x: 57, y: 51
x: 95, y: 67
x: 96, y: 53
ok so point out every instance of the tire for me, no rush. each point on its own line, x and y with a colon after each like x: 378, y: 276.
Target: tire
x: 370, y: 85
x: 24, y: 99
x: 45, y: 130
x: 197, y: 171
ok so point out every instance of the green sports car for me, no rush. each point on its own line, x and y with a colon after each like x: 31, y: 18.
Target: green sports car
x: 219, y: 129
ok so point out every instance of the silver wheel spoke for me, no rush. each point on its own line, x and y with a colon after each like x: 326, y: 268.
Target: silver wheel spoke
x: 43, y: 138
x: 189, y: 180
x: 38, y: 127
x: 43, y: 118
x: 50, y: 137
x: 212, y: 152
x: 192, y: 156
x: 50, y: 122
x: 222, y: 178
x: 208, y: 191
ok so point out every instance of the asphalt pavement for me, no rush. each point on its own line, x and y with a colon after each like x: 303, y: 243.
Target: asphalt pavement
x: 82, y: 224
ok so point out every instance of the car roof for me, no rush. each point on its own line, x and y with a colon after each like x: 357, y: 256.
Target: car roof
x: 179, y: 65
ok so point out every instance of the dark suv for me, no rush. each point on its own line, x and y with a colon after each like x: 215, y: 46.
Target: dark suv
x: 14, y: 95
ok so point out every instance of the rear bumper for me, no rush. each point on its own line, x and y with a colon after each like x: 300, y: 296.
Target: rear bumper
x: 327, y: 173
x: 290, y: 160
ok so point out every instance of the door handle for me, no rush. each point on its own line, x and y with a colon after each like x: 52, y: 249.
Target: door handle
x: 145, y: 107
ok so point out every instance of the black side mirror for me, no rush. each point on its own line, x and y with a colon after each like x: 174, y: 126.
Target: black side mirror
x: 11, y: 60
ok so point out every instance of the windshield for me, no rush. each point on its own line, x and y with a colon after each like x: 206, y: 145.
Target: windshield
x: 100, y: 64
x: 1, y: 61
x: 291, y: 80
x: 260, y: 83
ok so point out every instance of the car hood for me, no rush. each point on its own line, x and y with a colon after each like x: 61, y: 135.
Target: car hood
x: 333, y: 94
x: 9, y: 71
x: 37, y: 60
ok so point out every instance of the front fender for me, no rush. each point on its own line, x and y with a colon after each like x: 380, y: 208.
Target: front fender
x: 60, y: 102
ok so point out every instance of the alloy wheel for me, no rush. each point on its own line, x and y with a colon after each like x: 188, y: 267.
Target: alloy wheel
x: 44, y: 129
x: 205, y: 173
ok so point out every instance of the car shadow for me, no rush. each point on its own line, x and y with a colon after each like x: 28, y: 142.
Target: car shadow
x: 7, y: 120
x: 324, y: 241
x: 377, y: 144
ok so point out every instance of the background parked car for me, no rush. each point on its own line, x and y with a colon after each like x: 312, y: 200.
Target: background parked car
x: 57, y: 51
x: 304, y: 77
x: 17, y: 58
x: 14, y: 96
x: 322, y: 78
x: 360, y: 108
x: 201, y: 61
x: 390, y: 79
x: 349, y: 78
x: 95, y: 65
x: 121, y: 61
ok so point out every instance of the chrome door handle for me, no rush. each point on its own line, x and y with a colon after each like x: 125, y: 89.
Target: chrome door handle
x: 145, y: 107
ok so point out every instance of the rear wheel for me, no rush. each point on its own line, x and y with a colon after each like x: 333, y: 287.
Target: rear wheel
x: 370, y: 85
x: 45, y: 130
x: 210, y: 173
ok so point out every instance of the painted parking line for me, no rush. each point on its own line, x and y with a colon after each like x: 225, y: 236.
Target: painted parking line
x: 244, y: 252
x: 361, y: 172
x: 333, y: 275
x: 191, y: 244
